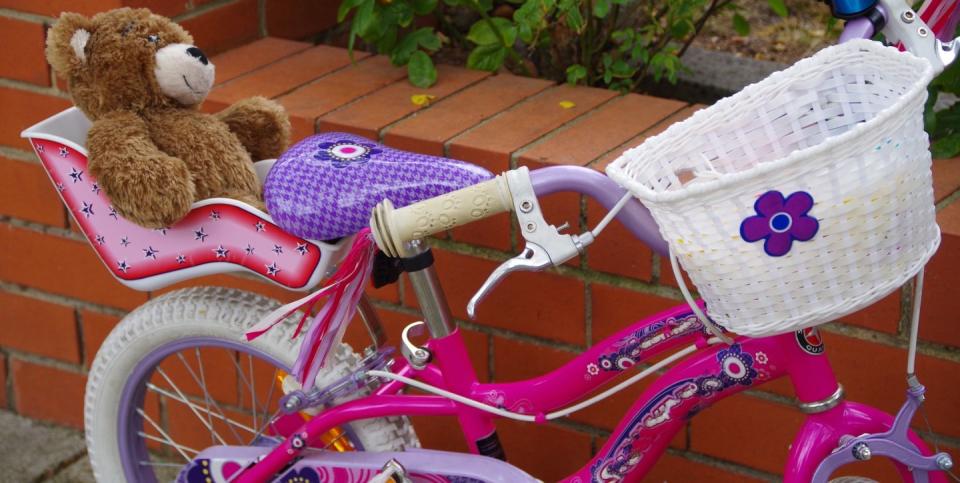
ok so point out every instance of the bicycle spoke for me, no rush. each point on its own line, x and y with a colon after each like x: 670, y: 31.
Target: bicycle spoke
x: 273, y: 386
x: 152, y: 463
x: 192, y: 406
x: 163, y: 433
x: 203, y: 382
x: 167, y: 442
x: 263, y: 427
x: 222, y: 414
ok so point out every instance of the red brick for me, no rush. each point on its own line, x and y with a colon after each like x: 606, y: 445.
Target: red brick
x: 875, y: 374
x: 241, y: 60
x: 313, y: 100
x: 430, y: 129
x: 43, y: 328
x: 53, y: 8
x: 615, y: 308
x: 616, y: 250
x: 22, y: 109
x: 26, y: 193
x: 939, y: 308
x: 225, y: 27
x: 491, y: 144
x: 387, y: 293
x: 62, y: 266
x: 600, y: 130
x: 653, y: 131
x: 369, y: 115
x: 946, y: 177
x: 542, y: 304
x: 298, y: 19
x: 22, y: 57
x: 48, y: 393
x: 746, y: 430
x: 167, y: 8
x: 670, y: 468
x: 281, y: 76
x: 96, y: 327
x: 883, y: 315
x: 546, y: 452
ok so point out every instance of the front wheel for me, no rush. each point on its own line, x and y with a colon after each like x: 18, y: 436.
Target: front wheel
x: 175, y: 376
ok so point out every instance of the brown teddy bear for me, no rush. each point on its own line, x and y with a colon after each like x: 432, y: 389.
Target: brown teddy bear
x: 138, y: 77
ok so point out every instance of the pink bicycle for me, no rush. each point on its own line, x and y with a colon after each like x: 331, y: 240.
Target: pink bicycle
x: 306, y: 403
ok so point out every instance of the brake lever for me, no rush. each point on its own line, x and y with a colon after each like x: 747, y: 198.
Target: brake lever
x: 545, y: 245
x: 532, y: 259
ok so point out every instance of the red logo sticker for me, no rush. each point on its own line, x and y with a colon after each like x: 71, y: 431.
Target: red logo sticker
x: 810, y: 340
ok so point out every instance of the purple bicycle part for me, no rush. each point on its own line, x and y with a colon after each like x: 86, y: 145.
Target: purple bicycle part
x: 894, y: 443
x: 634, y: 216
x: 860, y: 28
x: 326, y: 186
x: 421, y: 465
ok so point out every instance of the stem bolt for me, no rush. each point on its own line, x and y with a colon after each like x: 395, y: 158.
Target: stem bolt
x: 291, y: 404
x: 526, y: 206
x: 922, y: 32
x: 908, y: 16
x: 944, y: 462
x: 862, y: 452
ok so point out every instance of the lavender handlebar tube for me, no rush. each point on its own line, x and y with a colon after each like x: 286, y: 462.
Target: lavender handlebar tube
x: 594, y: 184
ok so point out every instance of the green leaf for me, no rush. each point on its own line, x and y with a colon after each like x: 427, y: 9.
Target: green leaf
x: 421, y: 70
x: 365, y: 17
x: 601, y: 8
x: 740, y: 25
x: 778, y: 7
x: 409, y: 43
x: 575, y: 73
x: 423, y: 7
x: 571, y: 10
x: 481, y: 33
x: 388, y: 41
x: 345, y: 8
x: 488, y: 57
x: 399, y: 12
x: 947, y: 147
x: 681, y: 28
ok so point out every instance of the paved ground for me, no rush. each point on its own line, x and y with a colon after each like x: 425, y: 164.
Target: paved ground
x: 32, y: 452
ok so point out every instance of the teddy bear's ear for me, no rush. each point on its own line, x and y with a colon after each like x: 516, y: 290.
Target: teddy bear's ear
x: 67, y: 43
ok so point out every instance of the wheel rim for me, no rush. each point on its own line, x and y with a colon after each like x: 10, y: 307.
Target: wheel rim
x: 134, y: 422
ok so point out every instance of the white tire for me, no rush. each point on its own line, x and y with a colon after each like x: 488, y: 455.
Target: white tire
x: 181, y: 318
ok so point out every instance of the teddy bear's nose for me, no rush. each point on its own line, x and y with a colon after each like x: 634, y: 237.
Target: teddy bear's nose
x: 198, y: 54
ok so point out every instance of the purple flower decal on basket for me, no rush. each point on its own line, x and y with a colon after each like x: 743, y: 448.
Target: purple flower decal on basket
x: 344, y: 152
x: 780, y: 221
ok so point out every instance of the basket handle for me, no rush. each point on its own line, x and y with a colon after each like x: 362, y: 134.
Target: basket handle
x: 710, y: 326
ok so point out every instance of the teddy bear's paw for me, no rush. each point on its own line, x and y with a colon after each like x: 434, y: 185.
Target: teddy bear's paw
x: 261, y: 125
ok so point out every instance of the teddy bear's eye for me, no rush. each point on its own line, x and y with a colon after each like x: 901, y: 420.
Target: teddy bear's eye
x: 153, y: 38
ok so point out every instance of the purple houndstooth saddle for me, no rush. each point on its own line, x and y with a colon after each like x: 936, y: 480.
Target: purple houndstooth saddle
x: 326, y: 186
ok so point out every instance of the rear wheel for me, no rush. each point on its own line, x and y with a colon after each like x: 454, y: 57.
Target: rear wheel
x: 175, y: 376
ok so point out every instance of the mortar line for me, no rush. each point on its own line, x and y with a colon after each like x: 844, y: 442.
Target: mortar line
x: 650, y: 128
x: 19, y: 155
x: 513, y: 107
x: 61, y: 466
x: 78, y: 326
x: 32, y: 358
x: 948, y: 200
x: 353, y: 101
x: 38, y: 294
x: 41, y: 228
x: 26, y: 16
x: 33, y: 88
x: 262, y: 17
x: 382, y: 132
x: 518, y: 153
x: 8, y: 381
x: 202, y: 9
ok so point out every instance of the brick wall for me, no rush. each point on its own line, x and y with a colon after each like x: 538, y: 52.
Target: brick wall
x: 57, y: 303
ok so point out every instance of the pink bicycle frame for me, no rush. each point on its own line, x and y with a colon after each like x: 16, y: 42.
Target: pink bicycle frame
x: 712, y: 374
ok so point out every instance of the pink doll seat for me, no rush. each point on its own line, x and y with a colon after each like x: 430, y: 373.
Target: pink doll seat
x: 218, y: 235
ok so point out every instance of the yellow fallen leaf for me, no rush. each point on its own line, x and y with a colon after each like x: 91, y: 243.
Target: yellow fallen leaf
x: 567, y: 104
x: 421, y: 99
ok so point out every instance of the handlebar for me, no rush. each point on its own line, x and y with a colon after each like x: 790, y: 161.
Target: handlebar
x: 393, y: 227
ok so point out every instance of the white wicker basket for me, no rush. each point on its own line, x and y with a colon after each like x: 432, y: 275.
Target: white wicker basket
x: 845, y: 127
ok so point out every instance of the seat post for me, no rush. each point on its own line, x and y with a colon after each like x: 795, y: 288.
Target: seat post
x: 433, y: 302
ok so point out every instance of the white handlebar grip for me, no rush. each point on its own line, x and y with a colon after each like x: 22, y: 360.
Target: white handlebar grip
x: 393, y: 227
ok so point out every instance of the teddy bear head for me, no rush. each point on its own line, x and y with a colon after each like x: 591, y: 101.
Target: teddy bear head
x: 128, y: 59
